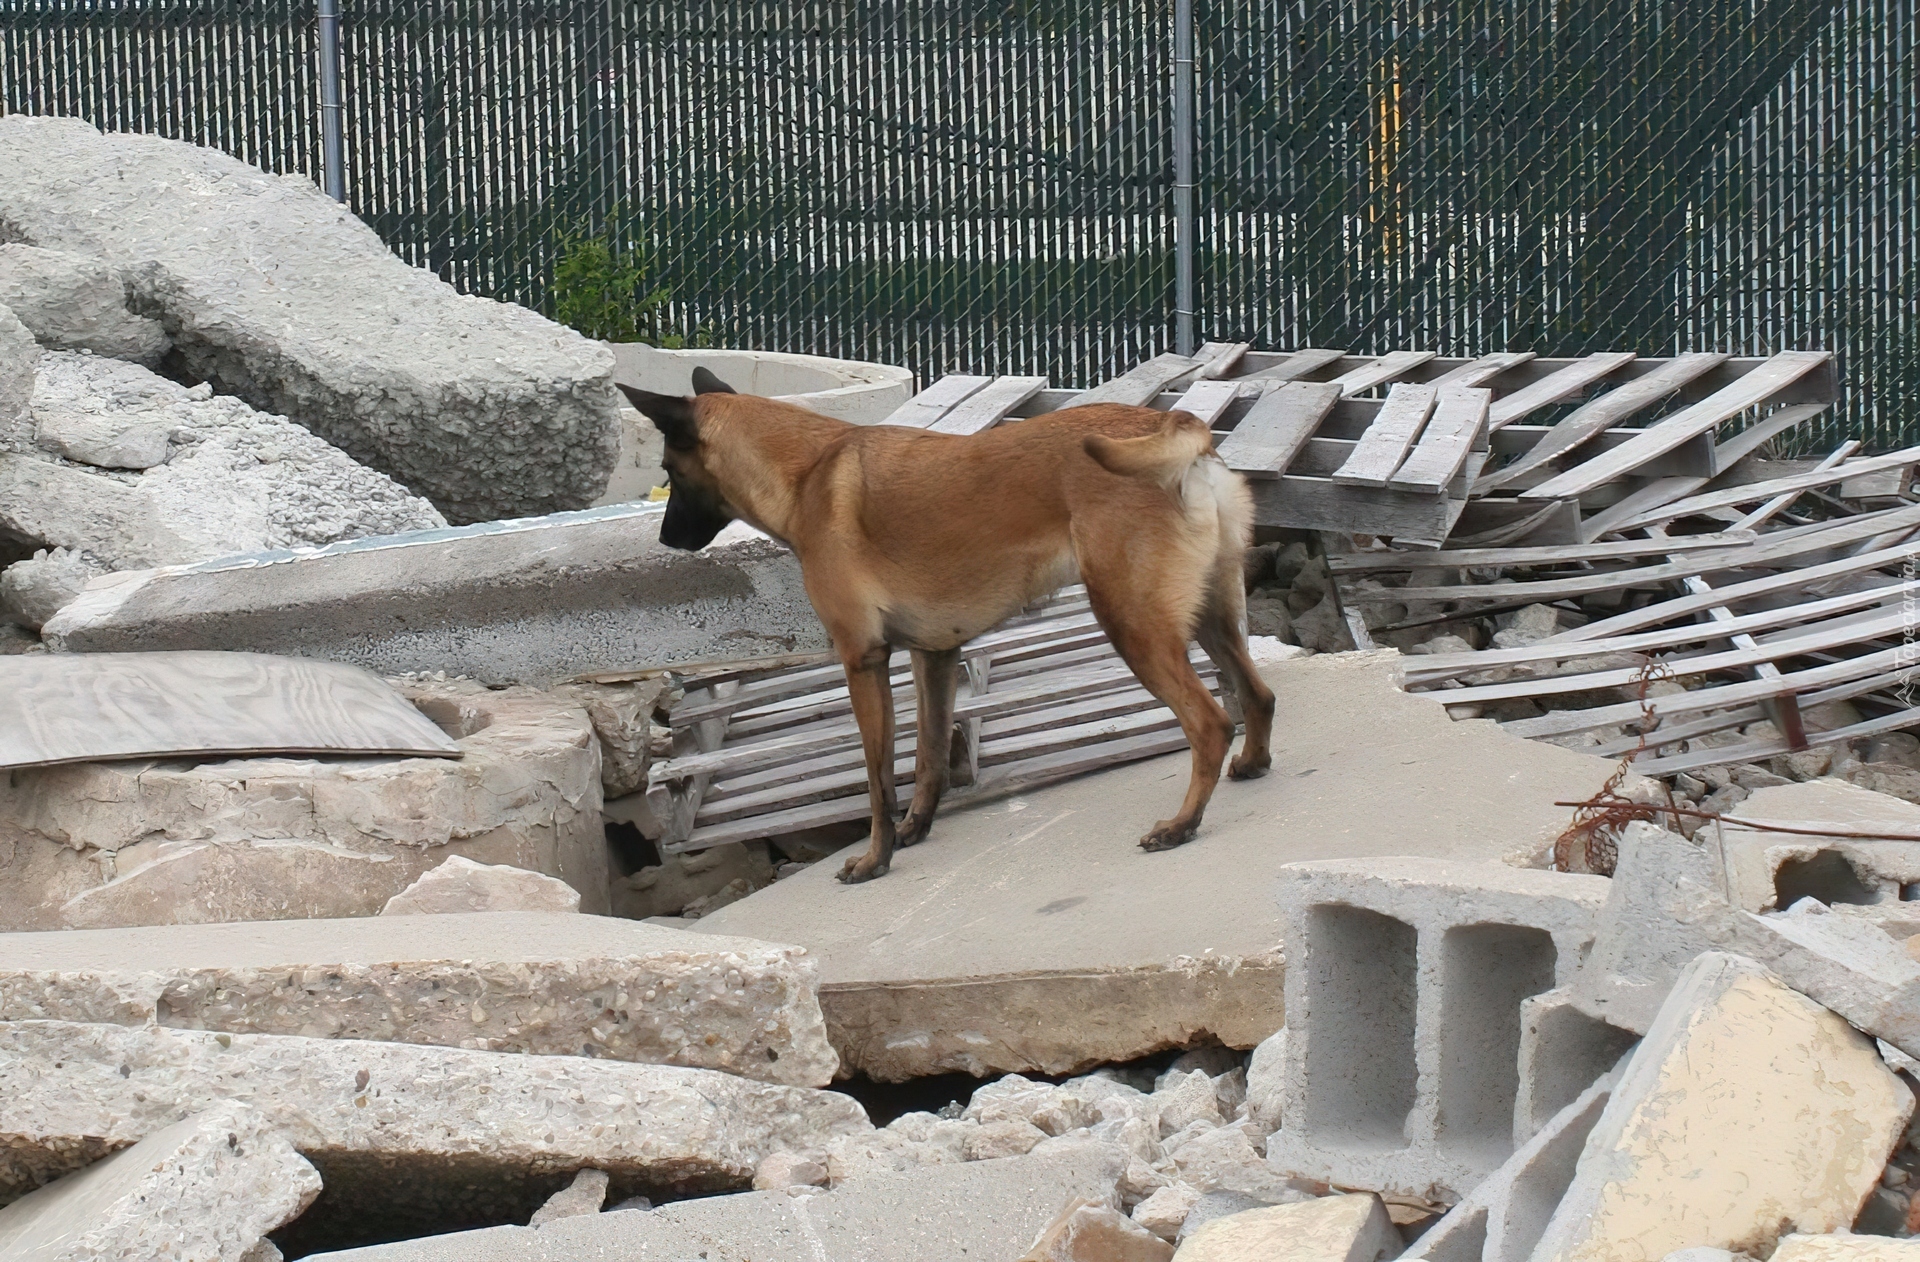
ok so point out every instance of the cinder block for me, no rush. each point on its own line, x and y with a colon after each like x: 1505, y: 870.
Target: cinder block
x: 1875, y: 881
x: 1845, y: 1248
x: 1502, y: 1219
x: 1562, y: 1051
x: 1405, y: 979
x: 1747, y: 1111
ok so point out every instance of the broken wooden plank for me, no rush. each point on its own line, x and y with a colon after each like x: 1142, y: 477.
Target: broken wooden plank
x: 1434, y: 667
x: 1479, y: 371
x: 1381, y: 371
x: 1271, y: 434
x: 91, y: 707
x: 1550, y: 554
x: 1139, y: 385
x: 1550, y: 389
x: 1815, y: 638
x: 1409, y: 518
x: 1672, y: 764
x: 988, y: 406
x: 1300, y: 364
x: 1792, y: 485
x: 1778, y: 504
x: 1459, y: 419
x: 1767, y: 550
x: 1603, y: 413
x: 1206, y: 400
x: 1386, y: 442
x: 1216, y: 359
x: 1566, y: 722
x: 1749, y: 390
x: 936, y: 400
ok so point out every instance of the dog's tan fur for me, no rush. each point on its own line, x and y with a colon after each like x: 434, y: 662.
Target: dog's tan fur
x: 923, y: 541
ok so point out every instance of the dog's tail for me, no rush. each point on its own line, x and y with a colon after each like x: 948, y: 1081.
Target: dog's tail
x: 1162, y: 457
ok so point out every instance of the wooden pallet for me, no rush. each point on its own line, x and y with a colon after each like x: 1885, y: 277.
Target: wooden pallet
x: 1041, y: 697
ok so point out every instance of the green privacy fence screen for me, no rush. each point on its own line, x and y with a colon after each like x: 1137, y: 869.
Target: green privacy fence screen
x: 986, y: 186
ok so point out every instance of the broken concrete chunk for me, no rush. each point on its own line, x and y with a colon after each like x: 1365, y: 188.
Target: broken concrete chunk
x: 1562, y: 1052
x: 1846, y: 1248
x: 585, y: 1195
x: 276, y: 293
x: 207, y: 1187
x: 1351, y: 1228
x: 115, y: 441
x: 1088, y: 1231
x: 542, y: 983
x: 1187, y: 1098
x: 790, y: 1169
x: 75, y: 303
x: 33, y: 590
x: 397, y: 1130
x: 105, y: 844
x: 1747, y: 1112
x: 622, y: 716
x: 19, y: 359
x: 461, y: 885
x: 1166, y: 1210
x: 1266, y: 1090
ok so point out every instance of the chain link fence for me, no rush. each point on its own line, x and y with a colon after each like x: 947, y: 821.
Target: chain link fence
x: 986, y: 185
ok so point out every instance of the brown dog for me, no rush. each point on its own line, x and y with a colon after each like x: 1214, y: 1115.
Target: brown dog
x: 907, y: 538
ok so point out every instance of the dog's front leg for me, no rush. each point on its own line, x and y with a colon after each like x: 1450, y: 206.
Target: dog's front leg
x: 871, y: 691
x: 935, y: 675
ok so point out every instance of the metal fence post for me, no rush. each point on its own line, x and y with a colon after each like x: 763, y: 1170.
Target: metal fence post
x: 1183, y: 297
x: 333, y: 155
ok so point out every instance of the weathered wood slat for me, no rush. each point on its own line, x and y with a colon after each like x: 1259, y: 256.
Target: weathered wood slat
x: 1279, y: 424
x: 1482, y: 370
x: 1381, y: 371
x: 1216, y: 359
x: 88, y: 707
x: 1300, y: 364
x: 1792, y: 485
x: 1435, y: 667
x: 1208, y: 399
x: 1395, y: 429
x: 1410, y: 519
x: 1566, y: 722
x: 936, y: 400
x: 1778, y: 504
x: 1604, y: 412
x: 1814, y: 638
x: 1554, y: 387
x: 1768, y: 550
x: 1139, y: 385
x: 988, y: 406
x: 1672, y: 764
x: 1726, y: 455
x: 1551, y: 554
x: 1750, y: 390
x: 1459, y: 419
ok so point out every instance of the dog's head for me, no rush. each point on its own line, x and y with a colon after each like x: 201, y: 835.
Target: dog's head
x: 696, y: 511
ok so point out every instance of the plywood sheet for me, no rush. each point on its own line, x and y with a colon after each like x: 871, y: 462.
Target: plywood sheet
x: 89, y: 707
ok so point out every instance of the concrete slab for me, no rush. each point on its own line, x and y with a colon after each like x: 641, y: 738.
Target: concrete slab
x: 209, y: 1187
x: 529, y: 600
x: 983, y: 1209
x: 406, y: 1138
x: 1031, y: 933
x: 545, y: 983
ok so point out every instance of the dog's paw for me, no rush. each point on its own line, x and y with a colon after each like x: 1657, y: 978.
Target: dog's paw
x: 861, y: 869
x: 1246, y: 768
x: 912, y: 829
x: 1166, y: 835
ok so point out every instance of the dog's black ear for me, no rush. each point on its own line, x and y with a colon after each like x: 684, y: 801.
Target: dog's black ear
x: 704, y: 382
x: 671, y: 414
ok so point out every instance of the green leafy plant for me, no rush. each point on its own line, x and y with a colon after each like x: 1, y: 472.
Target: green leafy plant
x: 608, y: 292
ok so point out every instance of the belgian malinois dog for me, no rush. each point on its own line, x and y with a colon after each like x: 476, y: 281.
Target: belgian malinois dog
x: 907, y: 538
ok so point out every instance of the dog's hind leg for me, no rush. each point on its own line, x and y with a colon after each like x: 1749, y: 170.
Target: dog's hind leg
x: 935, y: 676
x: 1153, y: 643
x: 1220, y: 634
x: 871, y: 692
